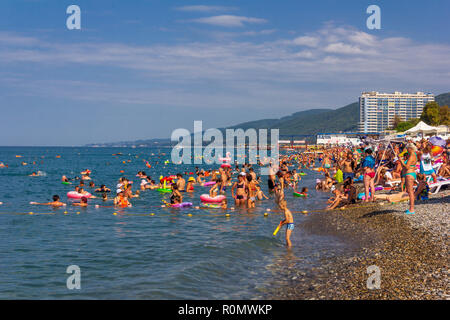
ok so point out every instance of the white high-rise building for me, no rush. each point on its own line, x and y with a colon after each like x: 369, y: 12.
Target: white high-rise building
x: 377, y: 110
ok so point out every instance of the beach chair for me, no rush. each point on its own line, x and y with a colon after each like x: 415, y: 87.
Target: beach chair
x: 393, y: 183
x: 436, y: 187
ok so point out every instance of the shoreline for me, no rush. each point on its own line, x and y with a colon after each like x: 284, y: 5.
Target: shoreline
x: 411, y: 252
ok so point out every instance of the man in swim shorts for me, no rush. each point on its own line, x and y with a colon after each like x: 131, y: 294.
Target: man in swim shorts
x: 180, y: 182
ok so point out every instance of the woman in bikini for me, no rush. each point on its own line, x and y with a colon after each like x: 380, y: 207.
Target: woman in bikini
x: 410, y: 174
x: 241, y: 190
x: 176, y: 196
x: 251, y: 186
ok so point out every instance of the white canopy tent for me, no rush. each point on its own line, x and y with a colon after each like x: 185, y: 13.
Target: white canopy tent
x: 423, y: 128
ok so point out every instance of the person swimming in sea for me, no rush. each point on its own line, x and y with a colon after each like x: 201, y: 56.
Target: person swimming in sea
x: 259, y: 193
x: 176, y: 197
x: 121, y: 200
x: 82, y: 203
x: 54, y: 203
x: 102, y: 189
x: 304, y: 191
x: 190, y: 185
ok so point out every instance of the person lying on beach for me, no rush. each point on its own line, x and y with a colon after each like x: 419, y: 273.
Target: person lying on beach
x: 288, y: 221
x: 82, y: 203
x: 403, y: 196
x: 54, y: 203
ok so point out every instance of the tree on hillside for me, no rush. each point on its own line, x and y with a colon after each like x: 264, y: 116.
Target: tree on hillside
x: 444, y: 114
x: 431, y: 114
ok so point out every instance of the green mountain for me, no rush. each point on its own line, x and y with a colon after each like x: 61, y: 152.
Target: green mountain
x: 443, y: 99
x: 311, y: 122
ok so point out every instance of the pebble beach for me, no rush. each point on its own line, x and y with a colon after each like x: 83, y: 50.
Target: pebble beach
x: 411, y: 252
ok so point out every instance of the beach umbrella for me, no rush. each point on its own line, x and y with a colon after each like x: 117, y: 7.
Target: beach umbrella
x: 436, y: 150
x: 438, y: 141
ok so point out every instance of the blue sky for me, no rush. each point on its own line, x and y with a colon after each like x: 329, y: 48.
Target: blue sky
x: 140, y: 69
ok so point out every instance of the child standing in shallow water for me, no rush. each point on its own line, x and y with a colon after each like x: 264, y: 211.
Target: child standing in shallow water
x: 288, y: 221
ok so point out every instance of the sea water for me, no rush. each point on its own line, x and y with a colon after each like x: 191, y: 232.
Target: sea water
x: 133, y: 254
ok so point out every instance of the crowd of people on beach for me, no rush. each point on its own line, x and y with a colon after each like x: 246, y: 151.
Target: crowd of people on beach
x: 375, y: 170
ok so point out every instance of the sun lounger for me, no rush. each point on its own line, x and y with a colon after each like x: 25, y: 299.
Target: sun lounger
x: 435, y: 187
x: 393, y: 183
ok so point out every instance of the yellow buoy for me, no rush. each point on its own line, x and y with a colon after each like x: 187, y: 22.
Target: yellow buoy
x: 265, y: 214
x: 65, y: 212
x: 152, y: 214
x: 189, y: 214
x: 227, y: 215
x: 304, y: 211
x: 78, y: 212
x: 31, y: 213
x: 115, y: 213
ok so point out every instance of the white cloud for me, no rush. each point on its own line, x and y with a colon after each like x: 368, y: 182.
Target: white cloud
x: 204, y: 8
x: 229, y: 20
x: 257, y: 33
x: 306, y: 41
x: 342, y: 48
x: 252, y: 73
x: 304, y: 54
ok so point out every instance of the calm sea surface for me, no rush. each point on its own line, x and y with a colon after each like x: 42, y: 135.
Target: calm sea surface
x: 134, y: 255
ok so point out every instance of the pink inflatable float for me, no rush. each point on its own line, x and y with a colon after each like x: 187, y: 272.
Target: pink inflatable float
x: 207, y: 198
x: 76, y: 195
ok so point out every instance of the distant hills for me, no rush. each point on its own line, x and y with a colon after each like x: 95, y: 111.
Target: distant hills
x: 443, y: 99
x: 308, y: 122
x: 311, y: 122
